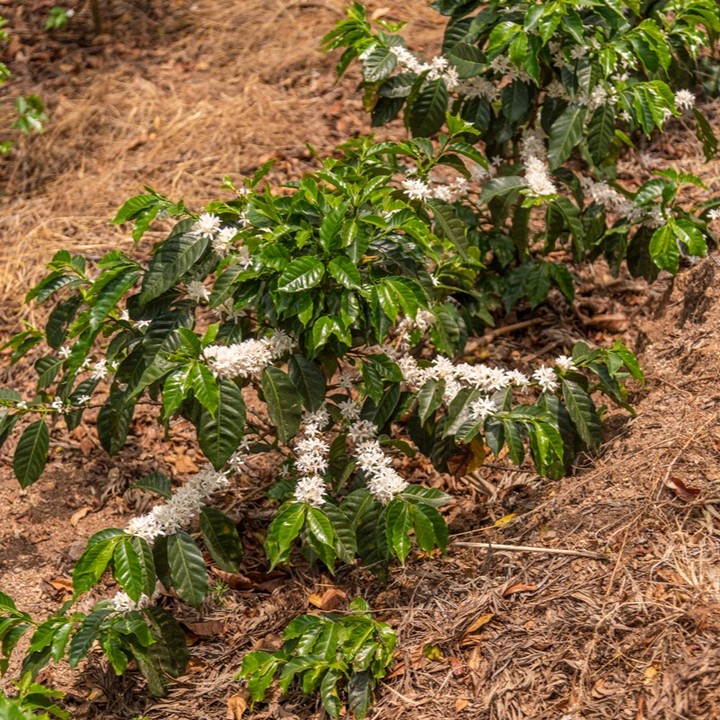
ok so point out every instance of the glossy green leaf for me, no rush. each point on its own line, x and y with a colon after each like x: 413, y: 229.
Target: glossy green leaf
x: 187, y: 568
x: 31, y: 453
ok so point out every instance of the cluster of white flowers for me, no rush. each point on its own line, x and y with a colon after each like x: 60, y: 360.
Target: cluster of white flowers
x: 608, y: 197
x: 684, y: 100
x: 437, y: 69
x: 222, y: 242
x: 546, y: 378
x: 598, y: 97
x: 538, y: 178
x: 479, y: 87
x: 100, y: 370
x: 247, y: 358
x: 207, y: 225
x: 479, y: 377
x: 417, y: 189
x: 197, y: 291
x: 239, y: 458
x: 615, y: 202
x: 422, y: 321
x: 311, y: 458
x: 383, y: 481
x: 226, y: 311
x: 505, y: 67
x: 181, y: 508
x: 122, y: 602
x: 534, y: 156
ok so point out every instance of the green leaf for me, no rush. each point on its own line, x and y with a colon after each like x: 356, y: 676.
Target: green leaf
x: 449, y: 226
x: 113, y: 424
x: 176, y: 256
x: 329, y: 692
x: 147, y: 565
x: 379, y: 64
x: 330, y: 227
x: 320, y: 526
x: 171, y: 650
x: 283, y: 530
x: 705, y: 135
x: 86, y: 635
x: 307, y: 377
x: 690, y: 236
x: 221, y: 539
x: 565, y: 134
x: 220, y: 436
x: 399, y: 524
x: 583, y: 413
x: 187, y: 568
x: 205, y: 387
x: 497, y: 187
x: 31, y: 453
x: 133, y: 207
x: 344, y: 271
x: 601, y: 133
x: 360, y: 695
x: 515, y: 101
x: 155, y: 482
x: 127, y: 569
x: 301, y: 274
x: 664, y: 249
x: 284, y: 402
x: 426, y: 113
x: 430, y: 398
x: 93, y: 563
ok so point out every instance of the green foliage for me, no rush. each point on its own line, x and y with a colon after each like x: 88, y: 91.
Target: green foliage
x: 553, y: 92
x: 341, y: 657
x: 32, y: 702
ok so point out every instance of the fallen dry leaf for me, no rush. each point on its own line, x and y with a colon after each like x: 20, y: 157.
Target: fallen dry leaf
x: 78, y: 515
x: 252, y: 580
x: 688, y: 494
x: 479, y: 622
x: 331, y: 599
x: 209, y: 628
x: 237, y: 705
x: 461, y: 704
x: 520, y: 587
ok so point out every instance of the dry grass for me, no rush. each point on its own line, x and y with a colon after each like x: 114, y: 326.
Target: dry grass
x: 233, y: 84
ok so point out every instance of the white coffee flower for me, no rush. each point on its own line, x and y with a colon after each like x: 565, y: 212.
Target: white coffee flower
x: 222, y: 242
x: 565, y: 363
x: 207, y: 225
x: 100, y: 370
x: 714, y: 214
x: 64, y: 352
x: 538, y: 178
x: 546, y: 378
x: 416, y: 189
x: 181, y: 508
x: 685, y: 100
x: 197, y: 291
x: 382, y: 480
x: 310, y: 489
x: 482, y: 408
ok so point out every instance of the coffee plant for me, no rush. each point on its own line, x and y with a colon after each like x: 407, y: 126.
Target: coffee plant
x: 301, y: 326
x: 320, y: 327
x: 32, y: 702
x: 321, y: 652
x: 555, y: 91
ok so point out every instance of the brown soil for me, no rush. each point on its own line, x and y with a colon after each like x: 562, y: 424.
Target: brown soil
x: 181, y: 97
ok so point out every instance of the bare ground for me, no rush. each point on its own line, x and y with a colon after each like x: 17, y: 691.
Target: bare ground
x: 512, y: 634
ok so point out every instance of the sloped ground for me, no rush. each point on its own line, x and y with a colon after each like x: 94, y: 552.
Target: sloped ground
x: 177, y: 100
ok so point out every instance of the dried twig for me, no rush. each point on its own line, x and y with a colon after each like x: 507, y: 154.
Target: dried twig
x: 532, y: 548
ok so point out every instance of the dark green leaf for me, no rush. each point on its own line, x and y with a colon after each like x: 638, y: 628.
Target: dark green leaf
x: 220, y: 436
x: 187, y: 568
x: 284, y: 402
x: 31, y: 453
x: 221, y: 539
